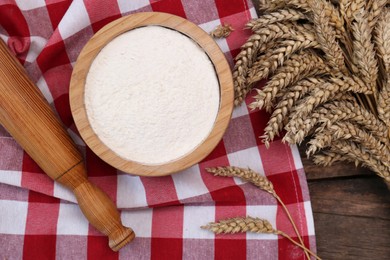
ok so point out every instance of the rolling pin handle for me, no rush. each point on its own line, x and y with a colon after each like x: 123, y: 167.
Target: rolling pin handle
x: 97, y: 207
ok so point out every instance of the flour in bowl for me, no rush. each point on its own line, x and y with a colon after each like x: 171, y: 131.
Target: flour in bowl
x: 152, y: 95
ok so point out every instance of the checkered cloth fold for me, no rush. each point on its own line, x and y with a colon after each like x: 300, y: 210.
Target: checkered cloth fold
x: 39, y: 218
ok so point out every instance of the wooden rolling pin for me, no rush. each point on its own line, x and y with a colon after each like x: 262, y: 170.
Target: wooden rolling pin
x: 27, y: 116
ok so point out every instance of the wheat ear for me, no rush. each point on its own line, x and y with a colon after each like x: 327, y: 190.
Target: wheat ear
x: 298, y: 90
x: 350, y: 151
x: 298, y: 128
x: 330, y: 11
x: 332, y: 112
x: 279, y: 119
x: 246, y: 174
x: 348, y: 131
x: 323, y: 93
x: 251, y: 224
x: 364, y: 54
x: 326, y: 36
x: 382, y: 40
x: 351, y: 111
x: 299, y: 66
x: 329, y: 157
x: 240, y: 225
x: 282, y: 15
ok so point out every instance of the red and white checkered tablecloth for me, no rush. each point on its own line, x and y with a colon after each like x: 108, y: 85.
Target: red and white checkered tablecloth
x: 38, y: 218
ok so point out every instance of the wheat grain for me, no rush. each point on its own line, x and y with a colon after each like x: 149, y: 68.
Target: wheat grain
x: 282, y: 15
x: 344, y: 8
x: 299, y: 66
x: 364, y: 54
x: 222, y: 31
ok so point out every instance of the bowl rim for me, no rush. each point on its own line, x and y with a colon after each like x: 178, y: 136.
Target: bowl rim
x: 104, y: 36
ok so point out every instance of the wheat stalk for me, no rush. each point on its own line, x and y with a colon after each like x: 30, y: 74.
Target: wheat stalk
x: 251, y: 224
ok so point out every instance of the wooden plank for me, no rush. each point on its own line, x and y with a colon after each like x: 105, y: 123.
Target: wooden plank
x: 352, y: 218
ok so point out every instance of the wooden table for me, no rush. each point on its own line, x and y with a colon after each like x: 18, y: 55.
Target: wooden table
x: 351, y: 208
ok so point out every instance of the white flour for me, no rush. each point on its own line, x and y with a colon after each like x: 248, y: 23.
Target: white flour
x: 152, y: 95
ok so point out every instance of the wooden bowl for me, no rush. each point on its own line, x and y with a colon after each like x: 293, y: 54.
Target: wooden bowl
x: 104, y: 36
